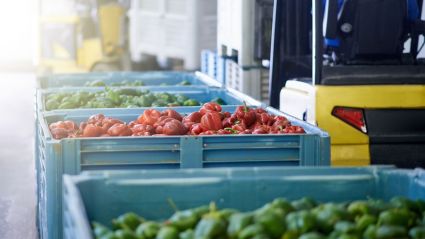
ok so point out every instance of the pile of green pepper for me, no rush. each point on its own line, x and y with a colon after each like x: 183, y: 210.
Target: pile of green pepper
x: 100, y: 83
x: 118, y: 98
x: 281, y: 219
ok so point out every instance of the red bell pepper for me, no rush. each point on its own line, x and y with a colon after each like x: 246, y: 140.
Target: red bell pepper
x: 210, y: 107
x: 172, y: 114
x: 192, y: 119
x: 119, y: 129
x: 143, y: 130
x: 246, y: 115
x: 211, y: 121
x: 150, y: 117
x: 94, y: 119
x: 174, y: 127
x: 92, y: 130
x: 196, y: 129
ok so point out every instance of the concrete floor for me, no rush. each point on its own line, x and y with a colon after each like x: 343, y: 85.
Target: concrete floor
x: 17, y: 174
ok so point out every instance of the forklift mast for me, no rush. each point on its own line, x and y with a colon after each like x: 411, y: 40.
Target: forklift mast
x: 291, y: 49
x: 339, y: 42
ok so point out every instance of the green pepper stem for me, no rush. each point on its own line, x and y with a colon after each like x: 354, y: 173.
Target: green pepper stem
x: 173, y: 205
x: 233, y: 131
x: 213, y: 207
x: 245, y: 107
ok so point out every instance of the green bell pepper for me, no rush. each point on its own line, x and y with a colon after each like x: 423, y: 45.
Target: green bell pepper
x: 283, y: 204
x: 391, y: 232
x: 168, y: 232
x: 96, y: 83
x: 334, y: 235
x: 417, y: 232
x: 290, y: 235
x: 128, y: 221
x: 370, y: 232
x: 272, y: 221
x: 159, y: 103
x: 226, y: 213
x: 237, y: 222
x: 201, y: 211
x: 415, y: 206
x: 359, y: 208
x: 251, y: 231
x: 219, y: 101
x: 181, y: 98
x: 312, y: 235
x: 52, y: 104
x: 147, y: 230
x: 138, y: 83
x: 173, y: 104
x: 304, y: 203
x: 185, y: 82
x: 191, y: 102
x: 68, y: 105
x: 210, y: 227
x: 400, y: 217
x: 364, y: 221
x: 328, y: 215
x: 188, y: 234
x: 301, y: 221
x: 377, y: 206
x: 144, y: 101
x: 100, y: 230
x: 125, y: 234
x: 129, y: 92
x: 184, y: 220
x: 349, y: 236
x: 110, y: 235
x: 346, y: 227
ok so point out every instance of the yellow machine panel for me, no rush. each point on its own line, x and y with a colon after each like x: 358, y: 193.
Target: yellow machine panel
x: 65, y: 48
x: 349, y: 145
x: 89, y: 53
x: 111, y: 24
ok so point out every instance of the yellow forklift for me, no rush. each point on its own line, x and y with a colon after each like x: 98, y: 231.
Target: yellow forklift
x: 353, y: 68
x: 92, y: 39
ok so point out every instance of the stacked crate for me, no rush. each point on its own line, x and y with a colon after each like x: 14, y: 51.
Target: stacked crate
x: 243, y: 39
x: 54, y: 158
x: 172, y: 29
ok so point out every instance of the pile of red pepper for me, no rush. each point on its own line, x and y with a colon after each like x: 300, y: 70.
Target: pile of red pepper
x: 209, y: 120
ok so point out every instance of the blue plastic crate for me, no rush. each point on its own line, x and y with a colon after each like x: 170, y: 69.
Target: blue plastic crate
x: 37, y: 172
x: 102, y: 196
x: 149, y: 79
x: 201, y: 94
x: 209, y: 63
x: 71, y: 156
x: 221, y: 70
x: 213, y: 65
